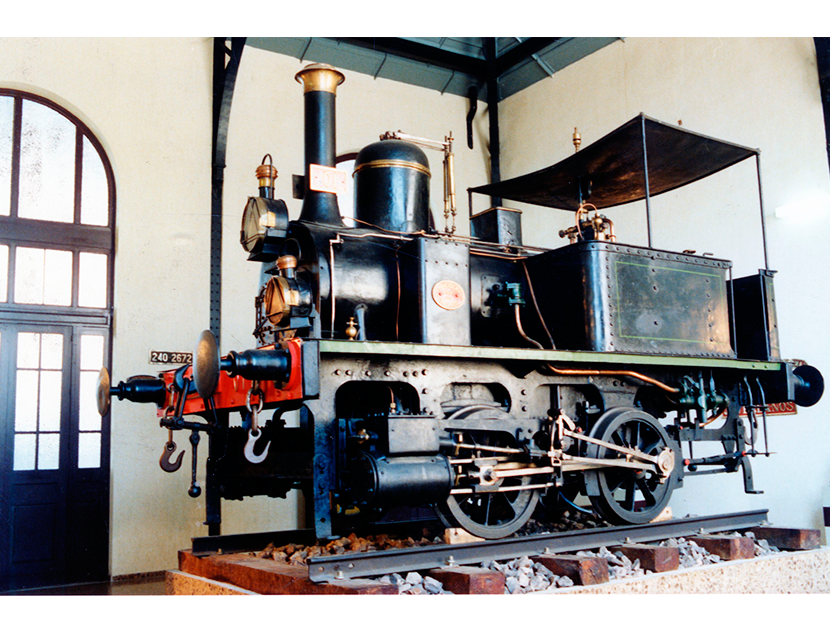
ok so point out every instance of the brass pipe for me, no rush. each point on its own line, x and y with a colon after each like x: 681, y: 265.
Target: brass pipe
x: 585, y: 373
x: 449, y: 163
x: 536, y: 305
x: 619, y: 373
x: 612, y: 236
x: 522, y: 331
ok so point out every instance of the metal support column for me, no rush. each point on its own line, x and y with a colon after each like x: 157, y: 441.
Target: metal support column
x: 493, y: 112
x: 225, y: 67
x: 823, y: 63
x: 761, y: 203
x: 645, y: 176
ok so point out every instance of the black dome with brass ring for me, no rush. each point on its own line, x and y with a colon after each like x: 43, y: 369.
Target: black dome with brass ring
x: 391, y: 183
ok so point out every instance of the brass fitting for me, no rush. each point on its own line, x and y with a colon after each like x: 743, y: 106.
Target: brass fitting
x: 266, y: 174
x: 351, y: 329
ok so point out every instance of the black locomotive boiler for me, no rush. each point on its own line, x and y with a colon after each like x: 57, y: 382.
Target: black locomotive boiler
x: 478, y: 376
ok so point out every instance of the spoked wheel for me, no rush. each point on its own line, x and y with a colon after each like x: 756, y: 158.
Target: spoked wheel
x: 498, y: 509
x: 624, y: 495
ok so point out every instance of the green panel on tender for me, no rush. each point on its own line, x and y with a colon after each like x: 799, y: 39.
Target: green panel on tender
x: 344, y: 347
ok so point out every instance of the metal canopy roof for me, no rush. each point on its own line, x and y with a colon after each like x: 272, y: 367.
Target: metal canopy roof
x: 612, y: 170
x: 446, y: 64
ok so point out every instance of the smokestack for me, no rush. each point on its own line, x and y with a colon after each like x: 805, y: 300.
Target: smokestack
x: 320, y: 82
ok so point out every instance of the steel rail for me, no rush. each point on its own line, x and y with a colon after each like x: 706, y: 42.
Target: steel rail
x: 362, y: 565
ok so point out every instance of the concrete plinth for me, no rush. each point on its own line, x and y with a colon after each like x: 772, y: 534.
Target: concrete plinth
x: 802, y: 572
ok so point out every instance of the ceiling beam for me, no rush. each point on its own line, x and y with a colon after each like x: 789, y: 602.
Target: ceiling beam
x: 420, y: 53
x: 522, y: 52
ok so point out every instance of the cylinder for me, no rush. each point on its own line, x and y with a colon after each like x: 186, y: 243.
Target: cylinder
x: 391, y: 184
x: 402, y: 480
x: 320, y: 83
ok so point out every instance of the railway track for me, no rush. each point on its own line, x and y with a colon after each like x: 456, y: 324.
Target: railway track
x: 377, y: 563
x: 365, y: 565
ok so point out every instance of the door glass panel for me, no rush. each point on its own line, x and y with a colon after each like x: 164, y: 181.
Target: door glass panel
x: 47, y: 165
x: 6, y: 130
x: 50, y: 401
x: 88, y: 417
x: 89, y: 449
x: 92, y: 359
x: 92, y: 286
x: 4, y: 273
x: 48, y: 451
x: 24, y: 452
x: 25, y: 419
x: 43, y: 276
x: 38, y: 399
x: 94, y: 188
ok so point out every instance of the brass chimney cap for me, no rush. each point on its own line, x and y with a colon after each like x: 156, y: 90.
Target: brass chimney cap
x: 320, y: 77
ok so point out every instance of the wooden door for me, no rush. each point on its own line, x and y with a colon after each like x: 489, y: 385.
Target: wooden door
x: 55, y: 468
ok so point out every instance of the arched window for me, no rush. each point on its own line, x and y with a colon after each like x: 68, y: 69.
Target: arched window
x: 57, y: 203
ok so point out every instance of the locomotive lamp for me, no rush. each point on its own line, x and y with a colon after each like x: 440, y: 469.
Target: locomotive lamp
x: 265, y: 219
x: 286, y: 295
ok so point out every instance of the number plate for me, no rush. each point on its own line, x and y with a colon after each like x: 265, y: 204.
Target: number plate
x: 167, y: 357
x: 326, y: 179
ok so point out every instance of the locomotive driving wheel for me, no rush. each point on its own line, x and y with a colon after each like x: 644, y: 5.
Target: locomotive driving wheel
x: 489, y: 507
x: 623, y: 495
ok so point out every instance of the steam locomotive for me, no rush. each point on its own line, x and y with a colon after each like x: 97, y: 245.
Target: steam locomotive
x: 477, y: 377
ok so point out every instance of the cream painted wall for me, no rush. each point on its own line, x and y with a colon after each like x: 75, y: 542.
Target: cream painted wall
x: 758, y: 92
